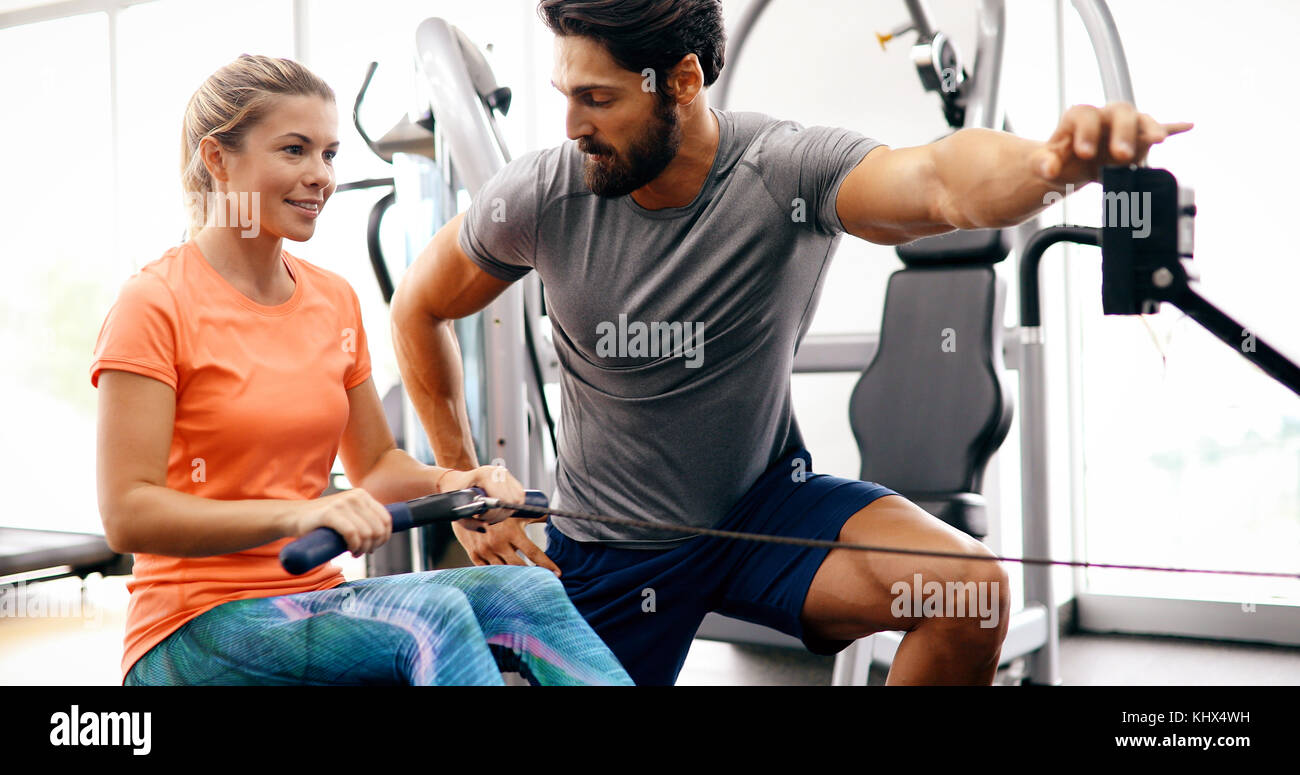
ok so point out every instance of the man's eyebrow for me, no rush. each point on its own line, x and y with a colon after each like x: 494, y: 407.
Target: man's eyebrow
x: 304, y: 138
x: 586, y: 87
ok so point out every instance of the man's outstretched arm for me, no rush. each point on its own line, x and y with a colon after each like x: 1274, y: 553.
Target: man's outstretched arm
x: 979, y: 178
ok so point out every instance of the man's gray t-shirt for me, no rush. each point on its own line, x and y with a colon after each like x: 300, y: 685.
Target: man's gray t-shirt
x: 676, y: 329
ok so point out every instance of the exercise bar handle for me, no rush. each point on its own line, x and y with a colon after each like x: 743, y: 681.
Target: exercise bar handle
x: 1032, y: 254
x: 323, y: 544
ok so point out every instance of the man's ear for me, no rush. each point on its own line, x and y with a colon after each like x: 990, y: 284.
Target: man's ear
x: 214, y: 158
x: 686, y: 79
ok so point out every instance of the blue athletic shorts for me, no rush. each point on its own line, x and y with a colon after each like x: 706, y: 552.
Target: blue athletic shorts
x: 647, y: 604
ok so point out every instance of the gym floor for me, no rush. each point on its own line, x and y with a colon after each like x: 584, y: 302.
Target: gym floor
x: 1086, y: 660
x: 68, y: 639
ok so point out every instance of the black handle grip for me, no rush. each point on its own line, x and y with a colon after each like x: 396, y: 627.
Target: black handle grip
x: 316, y: 548
x: 324, y: 544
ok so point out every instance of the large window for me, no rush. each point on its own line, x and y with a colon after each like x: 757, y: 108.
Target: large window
x: 87, y: 201
x: 1191, y: 454
x: 57, y: 206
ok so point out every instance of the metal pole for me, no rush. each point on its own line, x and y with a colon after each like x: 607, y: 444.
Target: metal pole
x: 1115, y: 81
x: 984, y: 108
x: 467, y: 132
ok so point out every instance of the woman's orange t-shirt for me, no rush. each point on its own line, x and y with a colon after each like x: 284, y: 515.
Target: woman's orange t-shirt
x: 261, y: 405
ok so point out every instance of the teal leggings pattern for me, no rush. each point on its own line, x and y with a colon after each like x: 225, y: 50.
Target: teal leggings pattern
x: 462, y: 626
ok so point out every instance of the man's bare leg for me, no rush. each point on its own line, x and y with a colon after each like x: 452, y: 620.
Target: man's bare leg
x: 853, y: 595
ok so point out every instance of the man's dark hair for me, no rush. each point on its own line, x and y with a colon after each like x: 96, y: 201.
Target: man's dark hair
x: 645, y: 33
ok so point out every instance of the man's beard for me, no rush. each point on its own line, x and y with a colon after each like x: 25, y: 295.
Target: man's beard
x: 647, y: 155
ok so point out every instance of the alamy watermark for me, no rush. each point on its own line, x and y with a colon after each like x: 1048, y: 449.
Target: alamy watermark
x: 231, y: 208
x: 96, y: 728
x: 948, y: 80
x: 1120, y: 209
x: 953, y: 599
x: 47, y: 601
x: 638, y: 339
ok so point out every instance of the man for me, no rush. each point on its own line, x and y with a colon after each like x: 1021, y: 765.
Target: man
x: 682, y: 249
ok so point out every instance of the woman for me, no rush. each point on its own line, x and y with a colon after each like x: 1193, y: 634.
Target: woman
x: 230, y: 374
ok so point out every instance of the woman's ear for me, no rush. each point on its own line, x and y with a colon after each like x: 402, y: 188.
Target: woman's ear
x: 215, y: 158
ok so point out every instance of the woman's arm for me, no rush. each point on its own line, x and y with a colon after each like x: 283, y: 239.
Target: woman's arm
x: 142, y: 514
x: 372, y: 460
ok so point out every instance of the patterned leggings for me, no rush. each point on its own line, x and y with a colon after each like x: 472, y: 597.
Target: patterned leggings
x: 462, y: 626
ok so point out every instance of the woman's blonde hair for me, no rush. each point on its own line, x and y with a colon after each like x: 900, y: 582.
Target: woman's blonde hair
x: 227, y: 106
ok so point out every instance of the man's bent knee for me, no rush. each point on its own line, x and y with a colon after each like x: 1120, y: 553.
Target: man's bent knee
x: 970, y: 601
